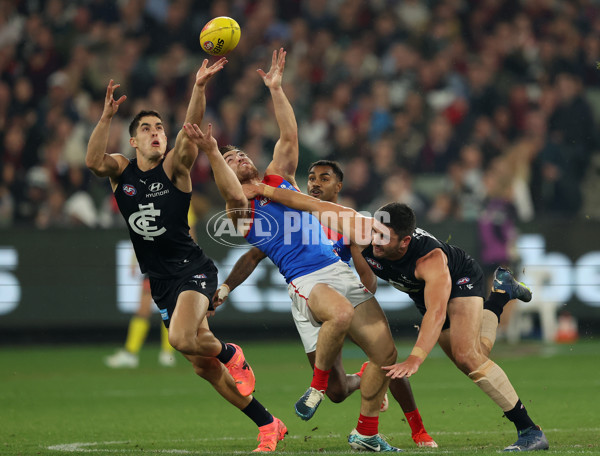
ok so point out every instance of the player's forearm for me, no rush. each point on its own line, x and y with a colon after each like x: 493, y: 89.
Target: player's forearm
x: 367, y: 278
x: 295, y: 200
x: 284, y: 114
x: 429, y: 333
x: 242, y: 270
x: 342, y: 219
x: 227, y: 182
x: 197, y: 105
x: 97, y: 146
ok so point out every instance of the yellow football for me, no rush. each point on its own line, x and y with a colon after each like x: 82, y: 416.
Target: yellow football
x: 220, y: 36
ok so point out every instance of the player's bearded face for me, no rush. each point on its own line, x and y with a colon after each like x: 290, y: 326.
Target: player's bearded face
x: 384, y: 241
x: 241, y: 165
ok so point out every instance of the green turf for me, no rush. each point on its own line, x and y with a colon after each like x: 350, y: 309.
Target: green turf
x: 62, y: 400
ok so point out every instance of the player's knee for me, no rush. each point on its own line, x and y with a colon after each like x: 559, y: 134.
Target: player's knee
x: 343, y: 317
x: 180, y: 342
x: 384, y: 356
x: 392, y: 354
x: 466, y: 360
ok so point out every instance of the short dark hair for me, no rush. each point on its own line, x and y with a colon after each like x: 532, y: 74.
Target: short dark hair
x: 399, y: 217
x: 135, y: 123
x: 337, y: 170
x: 227, y: 148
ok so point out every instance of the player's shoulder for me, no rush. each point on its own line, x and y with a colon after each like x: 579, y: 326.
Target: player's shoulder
x: 275, y: 180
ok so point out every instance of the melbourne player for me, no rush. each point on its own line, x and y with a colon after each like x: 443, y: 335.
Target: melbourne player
x: 325, y: 181
x: 446, y: 285
x: 323, y: 289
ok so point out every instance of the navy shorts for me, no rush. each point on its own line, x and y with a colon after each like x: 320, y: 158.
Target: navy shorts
x: 165, y: 292
x: 468, y: 281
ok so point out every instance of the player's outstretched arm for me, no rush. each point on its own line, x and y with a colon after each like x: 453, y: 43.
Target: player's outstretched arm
x: 285, y: 155
x: 242, y: 269
x: 433, y: 269
x: 226, y: 180
x: 185, y: 152
x: 365, y: 273
x: 96, y: 158
x: 356, y: 227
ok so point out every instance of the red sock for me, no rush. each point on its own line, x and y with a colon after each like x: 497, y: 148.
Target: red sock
x: 367, y: 425
x: 320, y: 379
x: 414, y: 420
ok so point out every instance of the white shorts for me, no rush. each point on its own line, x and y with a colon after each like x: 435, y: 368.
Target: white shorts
x: 337, y: 275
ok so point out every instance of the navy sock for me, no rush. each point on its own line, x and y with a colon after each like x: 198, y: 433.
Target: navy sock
x: 257, y: 413
x: 227, y: 352
x: 518, y: 415
x: 496, y: 303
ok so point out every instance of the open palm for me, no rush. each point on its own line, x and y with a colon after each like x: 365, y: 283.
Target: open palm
x: 205, y: 73
x: 273, y: 78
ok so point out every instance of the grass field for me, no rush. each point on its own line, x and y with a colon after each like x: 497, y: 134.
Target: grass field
x: 62, y: 400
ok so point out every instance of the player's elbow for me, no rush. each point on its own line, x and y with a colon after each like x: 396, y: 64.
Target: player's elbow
x: 95, y: 168
x: 290, y: 137
x: 93, y: 164
x: 236, y: 201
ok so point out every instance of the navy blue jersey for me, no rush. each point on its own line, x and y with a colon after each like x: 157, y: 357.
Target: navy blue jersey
x: 466, y: 274
x: 156, y: 213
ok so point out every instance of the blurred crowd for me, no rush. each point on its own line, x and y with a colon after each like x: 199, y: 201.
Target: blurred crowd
x: 456, y: 107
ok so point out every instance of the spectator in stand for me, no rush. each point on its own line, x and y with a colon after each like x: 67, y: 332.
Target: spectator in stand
x: 374, y: 69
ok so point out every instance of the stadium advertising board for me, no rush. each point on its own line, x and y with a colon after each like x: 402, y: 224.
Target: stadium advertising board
x: 65, y: 279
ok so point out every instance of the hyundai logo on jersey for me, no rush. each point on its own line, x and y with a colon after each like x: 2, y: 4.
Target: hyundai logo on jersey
x: 155, y: 187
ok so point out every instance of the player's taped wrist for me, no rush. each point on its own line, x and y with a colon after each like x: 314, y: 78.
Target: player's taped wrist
x: 223, y: 291
x: 268, y: 191
x: 419, y: 353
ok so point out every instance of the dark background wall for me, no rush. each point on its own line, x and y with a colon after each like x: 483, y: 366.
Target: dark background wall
x: 81, y: 285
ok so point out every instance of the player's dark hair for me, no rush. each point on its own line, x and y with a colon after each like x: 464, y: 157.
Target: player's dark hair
x: 135, y: 123
x: 332, y: 164
x: 399, y: 217
x: 227, y: 148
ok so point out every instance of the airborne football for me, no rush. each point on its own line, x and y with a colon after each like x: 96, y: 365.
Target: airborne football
x: 220, y: 36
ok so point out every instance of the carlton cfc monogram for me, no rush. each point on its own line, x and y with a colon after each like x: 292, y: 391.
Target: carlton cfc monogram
x: 141, y: 222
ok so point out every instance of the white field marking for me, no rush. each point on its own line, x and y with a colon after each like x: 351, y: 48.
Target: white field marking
x: 91, y: 447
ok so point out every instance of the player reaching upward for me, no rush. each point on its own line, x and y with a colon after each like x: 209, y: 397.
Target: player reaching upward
x: 446, y: 285
x: 153, y: 192
x: 322, y: 288
x: 325, y: 181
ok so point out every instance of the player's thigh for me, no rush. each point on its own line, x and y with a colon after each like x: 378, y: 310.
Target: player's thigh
x: 326, y: 304
x: 145, y: 308
x: 190, y: 311
x: 465, y: 314
x: 371, y: 332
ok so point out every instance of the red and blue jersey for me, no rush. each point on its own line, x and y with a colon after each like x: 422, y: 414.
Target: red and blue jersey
x: 294, y: 240
x: 341, y: 245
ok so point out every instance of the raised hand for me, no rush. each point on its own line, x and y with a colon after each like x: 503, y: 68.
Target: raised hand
x: 111, y: 106
x: 204, y: 142
x: 205, y: 73
x: 273, y: 78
